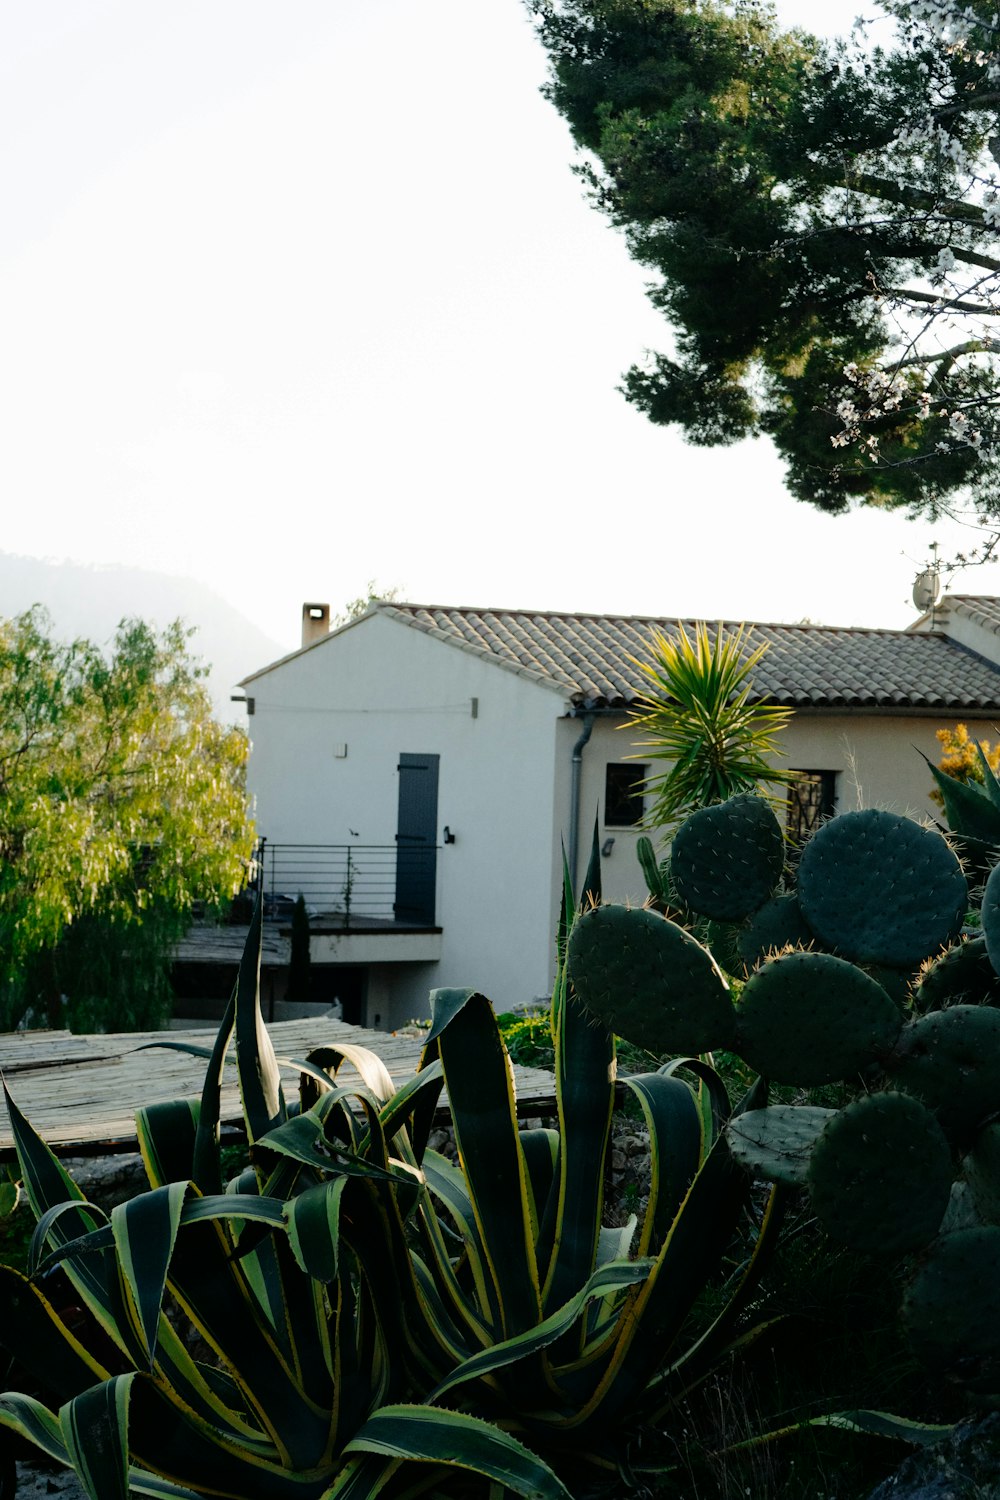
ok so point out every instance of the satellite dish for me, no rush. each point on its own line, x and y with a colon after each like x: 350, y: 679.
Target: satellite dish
x: 927, y: 588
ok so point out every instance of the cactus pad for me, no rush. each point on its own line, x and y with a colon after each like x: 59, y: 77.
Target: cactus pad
x: 649, y: 980
x: 880, y: 1175
x: 951, y: 1309
x: 963, y: 975
x: 810, y: 1018
x: 982, y: 1173
x: 776, y: 1142
x: 726, y: 860
x: 878, y: 888
x: 951, y: 1060
x: 777, y: 924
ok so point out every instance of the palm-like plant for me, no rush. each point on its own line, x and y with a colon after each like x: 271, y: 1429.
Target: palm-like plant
x: 697, y: 714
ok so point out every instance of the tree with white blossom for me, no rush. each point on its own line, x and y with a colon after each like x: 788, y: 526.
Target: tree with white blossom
x: 823, y: 221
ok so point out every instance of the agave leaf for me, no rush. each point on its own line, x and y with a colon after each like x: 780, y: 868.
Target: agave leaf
x: 167, y: 1135
x: 452, y: 1439
x: 677, y: 1149
x: 413, y: 1107
x: 33, y: 1421
x: 991, y: 785
x: 369, y: 1066
x: 718, y: 1339
x: 967, y: 806
x: 690, y: 1255
x: 480, y: 1087
x: 611, y: 1278
x: 585, y: 1069
x: 94, y: 1426
x: 145, y: 1229
x: 260, y: 1080
x: 313, y: 1219
x: 32, y: 1332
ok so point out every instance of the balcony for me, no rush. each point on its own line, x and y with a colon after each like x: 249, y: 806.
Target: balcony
x: 366, y: 902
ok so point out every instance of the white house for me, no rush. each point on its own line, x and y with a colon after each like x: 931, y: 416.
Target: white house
x: 418, y: 772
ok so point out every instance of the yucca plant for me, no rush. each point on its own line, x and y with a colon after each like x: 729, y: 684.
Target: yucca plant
x: 696, y: 713
x: 363, y: 1306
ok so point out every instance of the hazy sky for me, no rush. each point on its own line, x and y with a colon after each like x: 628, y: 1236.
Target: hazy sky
x: 297, y: 295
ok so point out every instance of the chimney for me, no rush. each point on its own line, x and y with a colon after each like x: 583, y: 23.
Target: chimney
x: 315, y: 622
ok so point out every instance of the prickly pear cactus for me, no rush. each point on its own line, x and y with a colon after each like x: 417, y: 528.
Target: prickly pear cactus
x: 726, y: 860
x: 877, y: 888
x: 777, y: 1142
x: 880, y: 1175
x: 777, y: 924
x: 981, y: 1171
x: 951, y: 1060
x: 951, y: 1309
x: 811, y: 1018
x: 963, y: 975
x: 650, y: 981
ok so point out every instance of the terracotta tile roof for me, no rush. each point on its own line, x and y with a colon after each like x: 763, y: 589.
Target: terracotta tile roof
x: 590, y: 658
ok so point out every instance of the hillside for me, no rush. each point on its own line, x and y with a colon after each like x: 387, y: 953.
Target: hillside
x: 90, y: 601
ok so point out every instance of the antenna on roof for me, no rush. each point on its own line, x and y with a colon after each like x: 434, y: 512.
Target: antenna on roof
x: 927, y: 584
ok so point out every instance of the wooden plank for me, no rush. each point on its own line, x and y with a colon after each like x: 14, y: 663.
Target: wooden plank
x: 81, y: 1093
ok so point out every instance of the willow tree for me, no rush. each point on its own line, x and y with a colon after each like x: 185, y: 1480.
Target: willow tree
x: 821, y: 219
x: 122, y: 805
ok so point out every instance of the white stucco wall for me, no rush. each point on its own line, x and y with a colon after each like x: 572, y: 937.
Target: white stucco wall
x: 381, y: 688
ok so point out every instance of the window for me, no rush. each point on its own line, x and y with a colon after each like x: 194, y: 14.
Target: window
x: 812, y: 797
x: 623, y: 801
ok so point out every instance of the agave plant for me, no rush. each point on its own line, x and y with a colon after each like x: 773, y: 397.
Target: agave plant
x: 354, y: 1302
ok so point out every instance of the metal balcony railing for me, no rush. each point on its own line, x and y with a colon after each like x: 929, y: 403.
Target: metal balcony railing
x: 352, y: 885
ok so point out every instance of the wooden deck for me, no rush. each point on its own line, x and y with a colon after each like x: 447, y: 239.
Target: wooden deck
x: 81, y: 1093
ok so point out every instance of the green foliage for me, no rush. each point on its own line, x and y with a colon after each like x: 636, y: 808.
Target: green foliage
x: 122, y: 803
x: 299, y: 962
x: 913, y: 1162
x: 527, y: 1035
x: 697, y: 714
x: 808, y: 208
x: 362, y: 1303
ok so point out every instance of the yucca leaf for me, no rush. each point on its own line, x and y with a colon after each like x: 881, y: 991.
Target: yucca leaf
x: 455, y: 1440
x: 94, y: 1426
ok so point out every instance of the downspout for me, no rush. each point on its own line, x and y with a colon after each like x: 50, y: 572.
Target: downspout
x: 576, y: 767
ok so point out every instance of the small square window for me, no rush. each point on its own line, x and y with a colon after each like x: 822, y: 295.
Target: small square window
x: 623, y: 799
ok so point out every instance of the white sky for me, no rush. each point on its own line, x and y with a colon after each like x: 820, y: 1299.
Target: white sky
x: 294, y: 295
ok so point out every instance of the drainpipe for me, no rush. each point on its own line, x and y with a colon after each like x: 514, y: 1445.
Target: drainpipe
x: 576, y: 766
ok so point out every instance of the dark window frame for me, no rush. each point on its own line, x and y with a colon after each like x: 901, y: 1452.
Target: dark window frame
x: 624, y: 802
x: 812, y: 798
